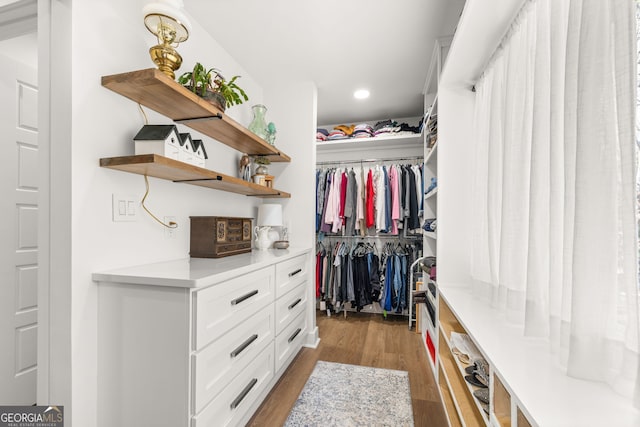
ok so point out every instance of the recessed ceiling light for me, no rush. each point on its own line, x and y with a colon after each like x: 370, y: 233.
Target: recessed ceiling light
x: 361, y: 94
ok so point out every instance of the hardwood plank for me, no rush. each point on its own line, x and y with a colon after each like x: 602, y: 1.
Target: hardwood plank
x: 360, y: 339
x: 176, y: 171
x: 153, y: 89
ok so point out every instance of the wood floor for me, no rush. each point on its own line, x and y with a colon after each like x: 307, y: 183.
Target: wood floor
x: 360, y: 339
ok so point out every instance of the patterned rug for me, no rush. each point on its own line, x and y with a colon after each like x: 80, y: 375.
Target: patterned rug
x: 348, y: 395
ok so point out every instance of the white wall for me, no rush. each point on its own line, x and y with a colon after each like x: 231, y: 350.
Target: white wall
x: 455, y: 166
x: 90, y: 122
x: 23, y: 49
x: 292, y: 108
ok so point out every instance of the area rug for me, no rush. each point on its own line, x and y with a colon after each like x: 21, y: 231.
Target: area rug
x: 337, y: 394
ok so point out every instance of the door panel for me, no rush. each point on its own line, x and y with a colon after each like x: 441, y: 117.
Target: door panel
x: 18, y: 233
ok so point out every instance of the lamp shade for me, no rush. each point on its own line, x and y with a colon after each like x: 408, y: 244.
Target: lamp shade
x: 270, y: 215
x: 167, y: 12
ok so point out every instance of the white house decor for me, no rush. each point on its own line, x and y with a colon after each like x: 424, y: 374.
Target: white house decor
x: 186, y: 148
x: 199, y: 153
x: 163, y: 140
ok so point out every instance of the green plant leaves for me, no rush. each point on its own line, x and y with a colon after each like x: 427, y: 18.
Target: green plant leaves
x: 200, y: 79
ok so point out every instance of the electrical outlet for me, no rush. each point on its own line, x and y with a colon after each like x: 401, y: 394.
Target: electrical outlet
x: 124, y: 207
x: 170, y: 232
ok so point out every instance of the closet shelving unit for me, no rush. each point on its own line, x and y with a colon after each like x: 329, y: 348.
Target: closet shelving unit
x: 357, y: 151
x: 424, y: 323
x: 379, y: 142
x: 155, y: 90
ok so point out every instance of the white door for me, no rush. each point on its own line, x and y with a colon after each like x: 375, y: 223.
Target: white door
x: 18, y: 232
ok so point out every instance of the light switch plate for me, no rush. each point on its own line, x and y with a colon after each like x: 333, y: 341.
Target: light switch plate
x: 124, y: 207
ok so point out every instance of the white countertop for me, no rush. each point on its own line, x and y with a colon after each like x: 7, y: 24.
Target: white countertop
x: 533, y: 374
x: 196, y: 272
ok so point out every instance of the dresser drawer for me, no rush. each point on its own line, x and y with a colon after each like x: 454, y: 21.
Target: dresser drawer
x: 290, y: 340
x: 290, y: 273
x: 217, y: 364
x: 221, y: 307
x: 290, y: 305
x: 231, y: 405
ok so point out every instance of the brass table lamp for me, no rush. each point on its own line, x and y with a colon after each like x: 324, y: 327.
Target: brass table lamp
x: 167, y: 21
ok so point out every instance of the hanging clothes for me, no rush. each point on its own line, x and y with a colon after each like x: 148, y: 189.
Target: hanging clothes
x: 365, y: 201
x: 359, y: 276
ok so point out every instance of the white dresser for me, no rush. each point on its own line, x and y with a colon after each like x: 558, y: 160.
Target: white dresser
x: 198, y: 342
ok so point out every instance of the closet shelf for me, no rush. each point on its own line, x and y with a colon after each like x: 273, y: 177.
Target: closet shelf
x: 431, y: 193
x: 431, y: 154
x: 378, y: 142
x: 463, y: 401
x: 176, y: 171
x: 431, y: 234
x: 155, y: 90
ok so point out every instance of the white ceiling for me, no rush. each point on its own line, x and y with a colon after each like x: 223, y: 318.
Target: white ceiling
x: 342, y: 45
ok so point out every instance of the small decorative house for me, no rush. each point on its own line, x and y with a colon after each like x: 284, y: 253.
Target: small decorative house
x: 163, y: 140
x: 199, y: 153
x: 186, y: 148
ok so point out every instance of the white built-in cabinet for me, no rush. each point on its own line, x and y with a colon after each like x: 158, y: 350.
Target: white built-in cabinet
x: 198, y: 342
x: 527, y: 384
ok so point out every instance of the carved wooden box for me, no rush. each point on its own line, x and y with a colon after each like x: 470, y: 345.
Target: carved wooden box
x: 218, y: 236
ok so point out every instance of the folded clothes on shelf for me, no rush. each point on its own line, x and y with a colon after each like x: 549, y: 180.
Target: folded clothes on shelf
x: 432, y: 185
x: 430, y: 224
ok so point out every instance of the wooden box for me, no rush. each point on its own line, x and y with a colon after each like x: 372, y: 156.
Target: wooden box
x: 218, y: 236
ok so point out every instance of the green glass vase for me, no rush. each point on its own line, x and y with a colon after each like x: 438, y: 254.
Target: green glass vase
x: 258, y: 125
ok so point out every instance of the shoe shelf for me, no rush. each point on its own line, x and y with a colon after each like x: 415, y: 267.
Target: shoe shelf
x: 155, y: 90
x: 177, y: 171
x: 464, y: 394
x: 447, y: 398
x: 502, y: 403
x: 522, y: 420
x: 467, y: 408
x: 520, y: 397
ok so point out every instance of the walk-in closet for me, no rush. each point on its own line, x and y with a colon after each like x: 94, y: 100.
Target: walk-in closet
x: 369, y: 214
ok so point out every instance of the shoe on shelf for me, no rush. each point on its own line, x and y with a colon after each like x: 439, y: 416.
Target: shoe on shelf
x: 482, y: 394
x: 473, y: 380
x: 462, y: 357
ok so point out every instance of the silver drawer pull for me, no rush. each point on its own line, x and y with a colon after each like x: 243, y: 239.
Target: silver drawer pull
x: 295, y: 303
x: 243, y: 346
x: 243, y: 393
x: 293, y: 273
x: 295, y: 334
x: 244, y: 297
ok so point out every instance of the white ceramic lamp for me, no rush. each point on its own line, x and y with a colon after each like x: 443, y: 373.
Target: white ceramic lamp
x: 269, y: 215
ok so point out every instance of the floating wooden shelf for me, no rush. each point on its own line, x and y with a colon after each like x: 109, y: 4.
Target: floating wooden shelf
x: 176, y: 171
x: 155, y: 90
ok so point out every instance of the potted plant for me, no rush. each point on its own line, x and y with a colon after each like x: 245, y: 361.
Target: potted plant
x: 211, y: 85
x: 262, y: 162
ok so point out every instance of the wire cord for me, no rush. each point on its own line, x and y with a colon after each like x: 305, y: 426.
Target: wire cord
x: 171, y: 224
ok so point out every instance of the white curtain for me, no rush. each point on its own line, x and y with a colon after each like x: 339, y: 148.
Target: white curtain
x: 555, y: 238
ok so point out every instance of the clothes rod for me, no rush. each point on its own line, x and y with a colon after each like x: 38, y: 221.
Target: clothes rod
x: 391, y: 159
x: 391, y: 236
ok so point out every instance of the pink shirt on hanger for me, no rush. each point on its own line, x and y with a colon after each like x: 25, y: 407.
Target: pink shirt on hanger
x: 395, y: 201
